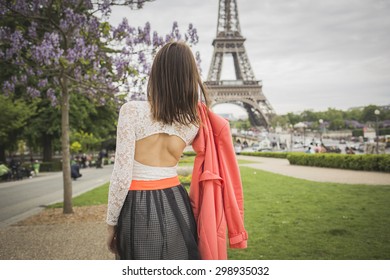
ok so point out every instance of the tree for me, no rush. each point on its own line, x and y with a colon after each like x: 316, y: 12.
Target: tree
x: 43, y: 127
x: 293, y: 118
x: 87, y: 141
x: 14, y: 116
x: 93, y: 119
x: 62, y: 47
x: 309, y: 116
x: 240, y: 124
x: 335, y: 119
x: 368, y: 114
x: 279, y: 120
x: 75, y: 147
x: 354, y: 114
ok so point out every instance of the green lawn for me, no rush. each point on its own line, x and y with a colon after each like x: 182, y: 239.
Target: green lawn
x: 288, y: 218
x: 94, y: 197
x: 189, y: 161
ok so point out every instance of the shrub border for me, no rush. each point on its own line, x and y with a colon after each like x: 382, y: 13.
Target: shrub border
x: 342, y: 161
x: 366, y: 162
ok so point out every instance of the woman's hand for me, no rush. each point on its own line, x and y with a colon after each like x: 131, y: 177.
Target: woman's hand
x: 111, y: 239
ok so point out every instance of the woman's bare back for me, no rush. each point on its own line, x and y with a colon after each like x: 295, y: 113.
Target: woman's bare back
x: 161, y: 149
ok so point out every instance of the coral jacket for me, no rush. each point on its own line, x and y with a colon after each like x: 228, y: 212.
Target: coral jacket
x: 216, y: 189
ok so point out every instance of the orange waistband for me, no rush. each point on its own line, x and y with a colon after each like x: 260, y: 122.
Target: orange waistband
x: 143, y: 185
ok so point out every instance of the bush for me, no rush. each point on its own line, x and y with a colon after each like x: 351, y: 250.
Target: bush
x: 185, y: 180
x: 266, y: 154
x: 354, y: 162
x: 52, y: 166
x: 191, y: 153
x: 384, y: 164
x: 384, y: 131
x: 357, y: 132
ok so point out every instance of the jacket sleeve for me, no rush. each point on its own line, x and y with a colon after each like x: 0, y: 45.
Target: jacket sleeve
x: 232, y: 191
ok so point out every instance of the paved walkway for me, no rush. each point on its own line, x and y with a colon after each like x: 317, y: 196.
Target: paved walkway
x: 319, y: 174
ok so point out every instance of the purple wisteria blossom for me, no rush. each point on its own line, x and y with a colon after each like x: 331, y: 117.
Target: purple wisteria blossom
x: 32, y: 30
x: 50, y: 94
x: 192, y: 35
x: 42, y: 83
x: 73, y: 43
x: 8, y: 88
x: 33, y: 92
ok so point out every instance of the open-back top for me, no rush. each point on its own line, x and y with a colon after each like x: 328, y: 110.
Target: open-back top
x: 135, y: 123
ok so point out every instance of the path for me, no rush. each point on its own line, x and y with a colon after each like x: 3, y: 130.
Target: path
x: 318, y: 174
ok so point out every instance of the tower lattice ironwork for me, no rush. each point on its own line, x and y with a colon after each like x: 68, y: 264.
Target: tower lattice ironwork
x: 245, y: 90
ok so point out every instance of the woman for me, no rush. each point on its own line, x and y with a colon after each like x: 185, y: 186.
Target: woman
x: 149, y: 214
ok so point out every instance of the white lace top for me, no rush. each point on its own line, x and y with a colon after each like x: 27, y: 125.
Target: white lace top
x: 135, y: 122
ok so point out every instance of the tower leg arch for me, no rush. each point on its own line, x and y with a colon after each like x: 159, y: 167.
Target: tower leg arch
x: 255, y: 115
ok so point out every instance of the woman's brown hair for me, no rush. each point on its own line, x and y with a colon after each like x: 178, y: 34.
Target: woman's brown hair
x: 174, y: 85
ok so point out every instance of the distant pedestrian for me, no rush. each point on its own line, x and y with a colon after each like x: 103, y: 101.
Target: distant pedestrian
x: 75, y: 170
x: 349, y: 151
x: 84, y: 161
x: 35, y: 167
x: 99, y: 162
x: 310, y: 150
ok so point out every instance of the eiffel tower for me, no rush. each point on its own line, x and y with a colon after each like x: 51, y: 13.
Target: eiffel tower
x: 245, y: 90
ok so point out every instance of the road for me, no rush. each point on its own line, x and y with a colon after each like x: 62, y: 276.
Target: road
x: 21, y: 199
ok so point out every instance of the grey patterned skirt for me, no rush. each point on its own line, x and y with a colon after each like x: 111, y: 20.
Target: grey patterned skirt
x: 157, y: 225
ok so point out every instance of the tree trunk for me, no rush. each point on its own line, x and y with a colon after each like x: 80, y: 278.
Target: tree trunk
x: 2, y: 154
x: 65, y: 147
x: 47, y: 147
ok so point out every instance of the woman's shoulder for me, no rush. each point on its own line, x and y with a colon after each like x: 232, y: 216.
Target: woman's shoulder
x: 134, y: 106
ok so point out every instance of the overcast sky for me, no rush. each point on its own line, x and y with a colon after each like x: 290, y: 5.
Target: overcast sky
x: 309, y: 54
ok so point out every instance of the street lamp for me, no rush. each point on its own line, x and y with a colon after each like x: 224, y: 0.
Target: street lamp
x: 377, y: 112
x: 321, y: 121
x: 291, y: 137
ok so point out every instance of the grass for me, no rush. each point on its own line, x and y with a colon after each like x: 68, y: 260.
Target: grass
x: 288, y: 218
x: 189, y: 161
x: 94, y: 197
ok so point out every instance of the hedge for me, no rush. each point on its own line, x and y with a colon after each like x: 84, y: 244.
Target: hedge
x: 342, y: 161
x: 384, y: 131
x: 257, y: 154
x: 185, y: 180
x: 357, y: 132
x: 189, y: 153
x: 266, y: 154
x: 52, y: 166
